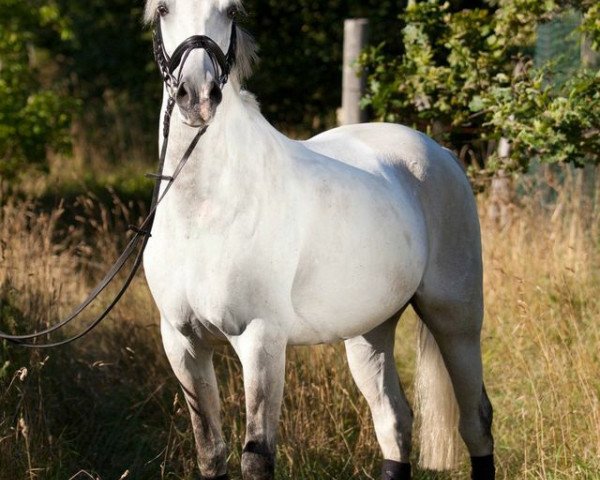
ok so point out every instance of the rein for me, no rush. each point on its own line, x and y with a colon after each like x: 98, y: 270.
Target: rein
x: 222, y: 64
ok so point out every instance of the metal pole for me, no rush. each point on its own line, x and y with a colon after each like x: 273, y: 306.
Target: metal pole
x: 356, y: 32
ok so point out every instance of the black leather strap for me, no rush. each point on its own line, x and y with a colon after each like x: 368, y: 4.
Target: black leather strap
x: 222, y: 63
x: 142, y: 234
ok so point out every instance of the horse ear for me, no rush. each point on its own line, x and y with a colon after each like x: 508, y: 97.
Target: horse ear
x: 246, y: 55
x: 150, y: 12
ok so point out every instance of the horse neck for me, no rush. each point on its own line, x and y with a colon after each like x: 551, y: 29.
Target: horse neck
x: 239, y: 154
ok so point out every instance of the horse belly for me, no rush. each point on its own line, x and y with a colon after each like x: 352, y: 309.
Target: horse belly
x: 360, y: 270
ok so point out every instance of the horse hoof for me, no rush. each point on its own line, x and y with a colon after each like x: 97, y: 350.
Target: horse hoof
x: 392, y: 470
x: 482, y: 468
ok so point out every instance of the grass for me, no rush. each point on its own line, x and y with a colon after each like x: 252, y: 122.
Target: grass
x: 108, y: 407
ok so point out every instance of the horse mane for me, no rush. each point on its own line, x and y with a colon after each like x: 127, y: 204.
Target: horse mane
x: 246, y: 55
x: 246, y: 49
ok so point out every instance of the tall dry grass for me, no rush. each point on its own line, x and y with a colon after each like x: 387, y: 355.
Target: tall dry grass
x: 108, y: 406
x: 542, y: 334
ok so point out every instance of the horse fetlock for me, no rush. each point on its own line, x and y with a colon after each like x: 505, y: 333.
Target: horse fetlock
x: 476, y: 429
x: 486, y: 412
x: 477, y: 436
x: 212, y: 461
x: 258, y: 465
x: 395, y: 437
x: 392, y: 470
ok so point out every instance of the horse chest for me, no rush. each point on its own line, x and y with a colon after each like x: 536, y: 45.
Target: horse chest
x: 224, y: 277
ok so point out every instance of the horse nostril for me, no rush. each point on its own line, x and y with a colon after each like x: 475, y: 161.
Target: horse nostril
x: 215, y: 94
x: 185, y: 96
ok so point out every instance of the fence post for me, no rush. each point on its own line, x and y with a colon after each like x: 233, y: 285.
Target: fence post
x: 356, y: 32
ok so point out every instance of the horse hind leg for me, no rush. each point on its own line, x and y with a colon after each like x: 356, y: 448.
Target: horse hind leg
x: 192, y: 364
x: 450, y: 351
x: 371, y: 361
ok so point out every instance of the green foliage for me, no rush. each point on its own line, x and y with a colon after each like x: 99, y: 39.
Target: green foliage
x: 34, y: 115
x: 556, y: 127
x: 440, y: 72
x: 99, y: 52
x: 465, y: 78
x: 590, y: 25
x: 109, y: 59
x: 445, y: 65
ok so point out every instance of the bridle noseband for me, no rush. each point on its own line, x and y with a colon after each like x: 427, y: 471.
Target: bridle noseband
x: 222, y: 63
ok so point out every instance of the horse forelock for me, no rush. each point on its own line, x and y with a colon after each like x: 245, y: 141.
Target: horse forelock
x: 152, y: 5
x: 150, y: 11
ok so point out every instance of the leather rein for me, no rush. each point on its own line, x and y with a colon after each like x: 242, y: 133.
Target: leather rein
x: 222, y: 63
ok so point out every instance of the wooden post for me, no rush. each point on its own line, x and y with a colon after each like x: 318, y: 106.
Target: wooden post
x: 356, y: 33
x: 500, y: 199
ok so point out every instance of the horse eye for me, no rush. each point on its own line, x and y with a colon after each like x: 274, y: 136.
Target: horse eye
x: 232, y: 12
x: 162, y: 10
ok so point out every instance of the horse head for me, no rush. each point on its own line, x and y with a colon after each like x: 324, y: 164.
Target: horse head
x: 198, y: 47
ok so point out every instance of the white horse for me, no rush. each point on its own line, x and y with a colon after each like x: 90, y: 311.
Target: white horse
x: 266, y: 242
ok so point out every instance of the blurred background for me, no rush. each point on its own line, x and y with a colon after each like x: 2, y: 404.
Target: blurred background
x: 511, y: 86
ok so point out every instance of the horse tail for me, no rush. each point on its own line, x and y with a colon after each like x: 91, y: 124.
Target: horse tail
x: 436, y: 407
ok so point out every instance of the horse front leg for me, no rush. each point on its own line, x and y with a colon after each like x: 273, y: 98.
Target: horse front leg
x: 191, y: 360
x: 262, y: 353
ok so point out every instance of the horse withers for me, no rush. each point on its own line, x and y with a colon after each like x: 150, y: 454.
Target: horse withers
x: 266, y: 242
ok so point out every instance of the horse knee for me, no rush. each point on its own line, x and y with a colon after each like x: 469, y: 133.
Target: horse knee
x: 258, y: 462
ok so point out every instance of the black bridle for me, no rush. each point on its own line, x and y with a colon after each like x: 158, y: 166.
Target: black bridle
x: 222, y: 63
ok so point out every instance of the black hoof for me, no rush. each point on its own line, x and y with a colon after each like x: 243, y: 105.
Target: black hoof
x: 482, y: 468
x: 392, y: 470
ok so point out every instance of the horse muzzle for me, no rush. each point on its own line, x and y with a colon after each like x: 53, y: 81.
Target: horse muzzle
x: 198, y: 105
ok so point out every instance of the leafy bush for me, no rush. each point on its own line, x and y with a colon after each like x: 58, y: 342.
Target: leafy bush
x: 98, y: 52
x: 34, y: 114
x: 561, y: 126
x: 466, y: 77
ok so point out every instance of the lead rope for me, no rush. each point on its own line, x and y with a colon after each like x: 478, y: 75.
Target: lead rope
x: 143, y: 232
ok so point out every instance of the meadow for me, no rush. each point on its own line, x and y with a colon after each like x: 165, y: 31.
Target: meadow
x: 107, y: 407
